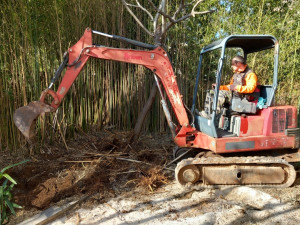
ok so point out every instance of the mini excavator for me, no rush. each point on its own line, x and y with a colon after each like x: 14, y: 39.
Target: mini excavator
x: 268, y: 129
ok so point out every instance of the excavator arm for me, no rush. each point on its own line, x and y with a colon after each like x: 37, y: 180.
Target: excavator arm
x: 155, y: 59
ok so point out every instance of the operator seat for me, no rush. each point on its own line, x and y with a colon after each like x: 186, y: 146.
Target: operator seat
x: 246, y: 103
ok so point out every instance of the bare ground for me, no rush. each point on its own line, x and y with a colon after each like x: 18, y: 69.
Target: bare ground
x: 129, y: 186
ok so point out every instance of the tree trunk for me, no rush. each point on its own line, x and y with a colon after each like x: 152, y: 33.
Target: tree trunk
x: 159, y: 36
x: 144, y: 112
x: 142, y: 115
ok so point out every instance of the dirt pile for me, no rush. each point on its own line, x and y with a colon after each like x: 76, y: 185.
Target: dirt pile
x: 104, y: 162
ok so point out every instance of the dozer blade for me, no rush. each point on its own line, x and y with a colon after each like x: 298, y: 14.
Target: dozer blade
x: 26, y: 116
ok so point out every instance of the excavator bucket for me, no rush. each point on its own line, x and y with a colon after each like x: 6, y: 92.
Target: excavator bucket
x: 26, y: 116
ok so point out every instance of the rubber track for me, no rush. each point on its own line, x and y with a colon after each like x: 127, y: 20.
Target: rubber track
x: 240, y: 160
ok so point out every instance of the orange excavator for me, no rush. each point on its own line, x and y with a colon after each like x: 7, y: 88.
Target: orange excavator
x: 255, y: 127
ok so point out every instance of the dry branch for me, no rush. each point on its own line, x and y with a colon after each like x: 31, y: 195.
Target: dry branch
x: 135, y: 18
x: 179, y: 157
x: 160, y: 11
x: 89, y: 161
x: 63, y: 211
x: 145, y: 10
x: 136, y: 161
x: 173, y: 19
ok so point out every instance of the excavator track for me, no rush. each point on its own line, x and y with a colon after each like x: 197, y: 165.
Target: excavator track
x: 232, y: 171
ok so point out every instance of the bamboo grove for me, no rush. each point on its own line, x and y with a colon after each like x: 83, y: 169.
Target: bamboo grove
x: 35, y: 34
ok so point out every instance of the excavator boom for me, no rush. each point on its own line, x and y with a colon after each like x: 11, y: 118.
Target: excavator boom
x: 156, y: 60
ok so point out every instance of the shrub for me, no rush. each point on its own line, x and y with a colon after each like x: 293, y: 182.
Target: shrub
x: 6, y: 195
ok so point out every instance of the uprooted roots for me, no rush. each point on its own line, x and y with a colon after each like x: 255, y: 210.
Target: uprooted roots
x: 153, y: 178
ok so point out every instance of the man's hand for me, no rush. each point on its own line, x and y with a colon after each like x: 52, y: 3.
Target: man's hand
x: 213, y: 85
x: 232, y: 87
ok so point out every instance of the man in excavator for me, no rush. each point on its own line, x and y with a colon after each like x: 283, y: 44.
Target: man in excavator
x: 242, y: 86
x: 244, y: 80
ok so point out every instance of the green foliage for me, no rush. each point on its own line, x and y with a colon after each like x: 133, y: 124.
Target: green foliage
x: 277, y: 18
x: 6, y: 204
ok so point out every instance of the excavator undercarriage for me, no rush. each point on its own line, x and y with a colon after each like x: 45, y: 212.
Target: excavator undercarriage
x: 225, y: 171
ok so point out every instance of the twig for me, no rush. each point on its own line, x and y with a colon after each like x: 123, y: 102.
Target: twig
x: 118, y: 158
x: 150, y: 187
x: 104, y: 156
x: 136, y: 161
x: 79, y: 161
x: 162, y: 3
x: 179, y: 157
x: 181, y: 6
x: 161, y: 12
x: 63, y: 211
x: 130, y: 181
x: 136, y: 19
x: 107, y: 154
x: 111, y: 132
x: 145, y: 10
x: 166, y: 151
x: 78, y: 219
x: 187, y: 16
x: 30, y: 178
x: 62, y: 136
x: 193, y: 10
x: 114, y: 146
x: 134, y: 171
x: 111, y: 207
x: 98, y: 160
x: 94, y: 146
x: 130, y: 147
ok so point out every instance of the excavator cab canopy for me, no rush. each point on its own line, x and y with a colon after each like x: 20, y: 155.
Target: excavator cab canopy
x: 248, y: 44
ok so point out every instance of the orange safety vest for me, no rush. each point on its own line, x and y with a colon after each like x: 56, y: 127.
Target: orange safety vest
x: 246, y: 82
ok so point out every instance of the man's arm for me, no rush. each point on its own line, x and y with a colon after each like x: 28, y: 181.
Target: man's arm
x: 226, y: 87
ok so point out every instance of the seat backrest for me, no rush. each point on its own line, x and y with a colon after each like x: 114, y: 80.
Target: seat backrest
x: 265, y: 92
